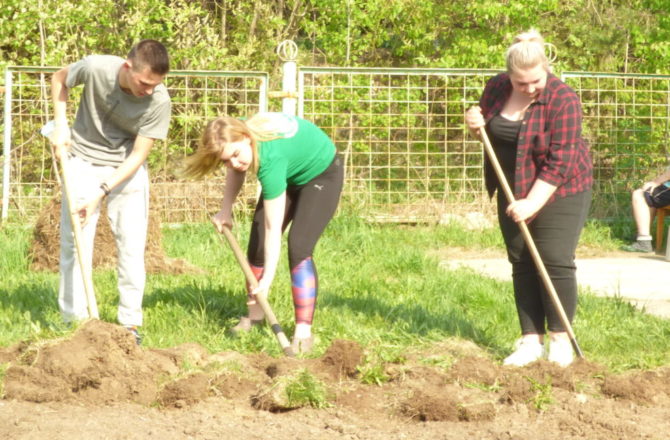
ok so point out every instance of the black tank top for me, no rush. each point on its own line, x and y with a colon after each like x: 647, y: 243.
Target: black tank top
x: 504, y: 135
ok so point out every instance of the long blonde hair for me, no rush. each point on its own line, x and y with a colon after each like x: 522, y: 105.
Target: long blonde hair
x: 218, y: 133
x: 528, y: 50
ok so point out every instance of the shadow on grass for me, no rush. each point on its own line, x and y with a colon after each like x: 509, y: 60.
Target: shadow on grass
x: 219, y: 305
x: 36, y: 299
x: 414, y: 319
x: 471, y: 315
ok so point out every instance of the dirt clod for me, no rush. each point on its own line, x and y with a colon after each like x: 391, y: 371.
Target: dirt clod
x: 342, y: 358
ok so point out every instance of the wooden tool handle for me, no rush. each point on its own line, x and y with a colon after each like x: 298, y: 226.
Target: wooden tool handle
x: 86, y: 271
x: 261, y: 299
x: 531, y: 244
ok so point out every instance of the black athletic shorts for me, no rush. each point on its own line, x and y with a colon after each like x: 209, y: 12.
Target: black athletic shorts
x: 659, y: 197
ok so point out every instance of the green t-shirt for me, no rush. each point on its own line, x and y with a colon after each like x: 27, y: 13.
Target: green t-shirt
x: 295, y: 159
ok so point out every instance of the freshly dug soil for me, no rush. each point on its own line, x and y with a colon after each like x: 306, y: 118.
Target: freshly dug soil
x: 99, y: 384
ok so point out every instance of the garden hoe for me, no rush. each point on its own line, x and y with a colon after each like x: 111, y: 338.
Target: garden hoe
x: 531, y: 245
x: 262, y: 299
x: 86, y: 274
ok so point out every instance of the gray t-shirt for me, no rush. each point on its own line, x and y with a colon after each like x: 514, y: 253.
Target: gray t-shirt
x: 109, y: 119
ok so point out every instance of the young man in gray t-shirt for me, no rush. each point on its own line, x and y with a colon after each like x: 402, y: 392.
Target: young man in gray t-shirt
x: 124, y: 108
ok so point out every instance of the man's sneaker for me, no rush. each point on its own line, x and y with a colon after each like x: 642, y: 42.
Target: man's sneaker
x: 527, y: 351
x: 302, y: 345
x: 643, y: 246
x: 560, y: 352
x: 245, y: 325
x: 136, y: 334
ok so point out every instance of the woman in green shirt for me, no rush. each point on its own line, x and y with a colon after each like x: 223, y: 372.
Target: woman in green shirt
x: 301, y: 178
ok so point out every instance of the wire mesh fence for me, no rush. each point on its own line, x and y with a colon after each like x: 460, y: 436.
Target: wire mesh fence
x: 409, y: 155
x: 627, y: 121
x: 406, y: 148
x: 401, y: 131
x: 28, y: 176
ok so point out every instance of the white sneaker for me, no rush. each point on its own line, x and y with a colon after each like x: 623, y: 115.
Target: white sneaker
x: 527, y: 351
x: 560, y: 352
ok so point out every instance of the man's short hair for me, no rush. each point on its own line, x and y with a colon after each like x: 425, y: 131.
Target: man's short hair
x: 152, y: 54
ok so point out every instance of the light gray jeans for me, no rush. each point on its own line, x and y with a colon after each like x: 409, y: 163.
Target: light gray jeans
x: 127, y: 209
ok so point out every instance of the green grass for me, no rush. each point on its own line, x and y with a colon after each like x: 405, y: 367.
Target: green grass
x: 306, y: 390
x: 3, y: 370
x: 543, y: 397
x: 607, y: 235
x: 379, y: 285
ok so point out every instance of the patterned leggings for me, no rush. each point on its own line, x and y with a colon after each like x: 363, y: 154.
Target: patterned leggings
x: 309, y: 209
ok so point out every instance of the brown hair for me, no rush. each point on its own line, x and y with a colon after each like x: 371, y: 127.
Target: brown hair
x: 152, y: 54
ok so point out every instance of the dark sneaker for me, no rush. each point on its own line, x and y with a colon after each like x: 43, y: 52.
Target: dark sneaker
x: 643, y: 246
x: 136, y: 334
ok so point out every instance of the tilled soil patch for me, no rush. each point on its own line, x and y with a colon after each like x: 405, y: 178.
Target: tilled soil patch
x: 99, y: 379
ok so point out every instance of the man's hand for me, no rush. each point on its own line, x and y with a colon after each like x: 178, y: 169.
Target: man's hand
x: 61, y: 139
x: 60, y: 136
x: 85, y: 210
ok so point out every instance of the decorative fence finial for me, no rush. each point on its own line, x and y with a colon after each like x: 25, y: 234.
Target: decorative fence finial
x: 287, y: 50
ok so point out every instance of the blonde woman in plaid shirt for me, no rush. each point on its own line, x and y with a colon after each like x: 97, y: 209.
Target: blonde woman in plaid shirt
x: 534, y: 122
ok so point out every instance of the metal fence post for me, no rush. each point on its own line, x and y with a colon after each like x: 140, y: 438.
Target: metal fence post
x: 7, y: 141
x: 288, y: 53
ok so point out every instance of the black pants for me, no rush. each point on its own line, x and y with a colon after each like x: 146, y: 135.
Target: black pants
x: 309, y: 208
x: 555, y: 231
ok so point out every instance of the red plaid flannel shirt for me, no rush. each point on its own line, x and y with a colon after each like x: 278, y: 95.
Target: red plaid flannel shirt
x: 550, y: 145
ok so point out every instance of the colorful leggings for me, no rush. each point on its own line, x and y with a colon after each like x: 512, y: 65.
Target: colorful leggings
x: 309, y: 208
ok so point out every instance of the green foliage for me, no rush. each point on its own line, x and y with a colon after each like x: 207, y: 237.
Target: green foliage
x: 306, y: 390
x: 205, y: 34
x: 3, y: 370
x: 374, y: 374
x: 542, y: 397
x: 373, y: 370
x: 632, y: 36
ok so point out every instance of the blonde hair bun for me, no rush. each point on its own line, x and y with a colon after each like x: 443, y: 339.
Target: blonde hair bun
x: 528, y: 49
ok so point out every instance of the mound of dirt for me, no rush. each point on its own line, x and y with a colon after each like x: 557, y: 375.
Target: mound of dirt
x: 342, y: 359
x: 101, y: 363
x: 45, y: 248
x: 97, y: 378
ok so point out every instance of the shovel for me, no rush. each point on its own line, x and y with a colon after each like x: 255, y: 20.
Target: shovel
x: 261, y: 299
x: 531, y: 246
x: 86, y: 271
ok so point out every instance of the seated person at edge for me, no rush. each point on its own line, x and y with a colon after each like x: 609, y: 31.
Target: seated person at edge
x: 653, y: 195
x: 534, y: 122
x: 301, y: 177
